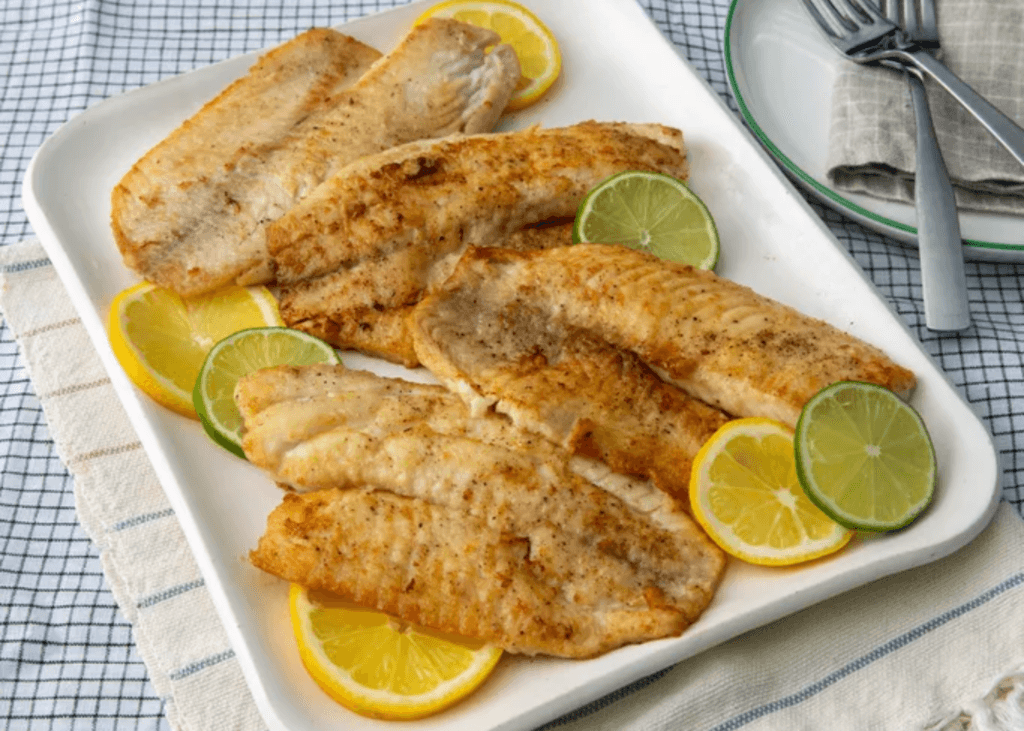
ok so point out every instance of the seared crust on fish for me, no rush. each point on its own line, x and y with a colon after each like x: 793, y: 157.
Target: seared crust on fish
x: 191, y: 215
x: 561, y: 382
x: 465, y: 524
x: 165, y: 199
x: 365, y: 247
x: 717, y: 340
x: 429, y: 565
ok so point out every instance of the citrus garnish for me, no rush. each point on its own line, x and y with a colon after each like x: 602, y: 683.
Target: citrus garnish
x: 745, y: 493
x: 651, y: 212
x: 864, y: 456
x: 539, y: 58
x: 379, y: 666
x: 238, y: 355
x: 161, y: 339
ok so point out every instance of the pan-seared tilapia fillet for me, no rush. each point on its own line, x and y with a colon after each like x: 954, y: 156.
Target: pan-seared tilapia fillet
x: 717, y: 340
x: 191, y: 215
x: 430, y: 565
x: 465, y: 524
x: 353, y: 257
x: 561, y: 382
x: 293, y: 416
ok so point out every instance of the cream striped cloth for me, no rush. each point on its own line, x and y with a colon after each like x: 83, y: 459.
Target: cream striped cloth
x: 872, y: 146
x: 122, y: 507
x: 940, y: 647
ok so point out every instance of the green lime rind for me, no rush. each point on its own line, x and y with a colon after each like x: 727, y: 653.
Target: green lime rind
x: 221, y: 439
x: 864, y: 457
x: 240, y: 354
x: 650, y: 212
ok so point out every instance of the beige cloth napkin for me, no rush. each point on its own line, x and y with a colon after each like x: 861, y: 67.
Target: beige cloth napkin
x: 872, y: 145
x: 940, y: 647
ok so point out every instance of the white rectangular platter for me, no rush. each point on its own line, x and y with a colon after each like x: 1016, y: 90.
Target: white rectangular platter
x: 617, y: 66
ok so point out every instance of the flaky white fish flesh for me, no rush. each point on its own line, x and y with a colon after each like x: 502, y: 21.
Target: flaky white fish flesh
x: 465, y: 524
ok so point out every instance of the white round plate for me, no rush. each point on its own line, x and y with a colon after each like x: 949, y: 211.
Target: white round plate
x: 781, y: 70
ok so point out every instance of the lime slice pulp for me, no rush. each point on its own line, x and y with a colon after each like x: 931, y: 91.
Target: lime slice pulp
x: 864, y: 456
x: 652, y: 212
x: 240, y: 354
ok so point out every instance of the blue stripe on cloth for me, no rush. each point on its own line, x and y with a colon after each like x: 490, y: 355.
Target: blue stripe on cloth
x: 166, y: 594
x: 605, y: 701
x: 140, y: 519
x: 865, y: 660
x: 25, y: 266
x: 206, y: 662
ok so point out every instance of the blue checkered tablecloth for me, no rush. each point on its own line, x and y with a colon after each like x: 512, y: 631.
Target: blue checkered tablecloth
x: 67, y: 656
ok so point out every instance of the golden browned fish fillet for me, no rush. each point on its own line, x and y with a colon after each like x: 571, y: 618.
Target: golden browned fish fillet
x: 465, y: 524
x: 191, y: 215
x: 355, y: 255
x: 717, y: 340
x: 561, y: 382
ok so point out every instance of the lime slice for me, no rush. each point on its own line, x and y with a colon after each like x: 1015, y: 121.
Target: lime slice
x: 863, y: 455
x: 238, y: 355
x: 652, y: 212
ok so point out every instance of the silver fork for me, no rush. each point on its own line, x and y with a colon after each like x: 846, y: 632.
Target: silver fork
x: 858, y: 30
x: 943, y: 281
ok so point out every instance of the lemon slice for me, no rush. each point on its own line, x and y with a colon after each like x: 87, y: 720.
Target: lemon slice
x: 378, y: 666
x: 864, y: 456
x: 540, y: 61
x: 651, y: 212
x: 238, y: 355
x: 745, y: 493
x: 161, y: 339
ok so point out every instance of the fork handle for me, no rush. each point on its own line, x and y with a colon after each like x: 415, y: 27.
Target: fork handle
x: 998, y: 124
x: 943, y: 281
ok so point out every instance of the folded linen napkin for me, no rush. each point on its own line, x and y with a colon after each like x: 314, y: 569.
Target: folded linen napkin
x: 872, y: 135
x: 937, y: 648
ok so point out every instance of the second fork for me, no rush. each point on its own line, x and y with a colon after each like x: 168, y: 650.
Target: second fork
x: 862, y: 34
x: 940, y: 247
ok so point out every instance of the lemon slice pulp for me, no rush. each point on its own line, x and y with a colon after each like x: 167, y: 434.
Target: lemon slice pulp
x: 161, y: 339
x: 540, y: 60
x: 745, y: 493
x: 378, y: 666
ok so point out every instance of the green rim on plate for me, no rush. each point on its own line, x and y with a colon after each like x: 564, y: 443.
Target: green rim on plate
x: 795, y: 170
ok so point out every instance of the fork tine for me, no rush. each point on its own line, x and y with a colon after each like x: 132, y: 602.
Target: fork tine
x: 919, y: 20
x: 828, y: 25
x: 928, y: 14
x: 911, y: 18
x: 849, y: 24
x: 891, y: 10
x: 866, y: 9
x: 928, y: 27
x: 845, y: 14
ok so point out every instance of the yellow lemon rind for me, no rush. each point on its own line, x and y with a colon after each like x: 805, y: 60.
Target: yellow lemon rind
x: 162, y: 390
x: 526, y: 95
x: 338, y: 684
x: 721, y: 533
x: 134, y: 362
